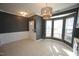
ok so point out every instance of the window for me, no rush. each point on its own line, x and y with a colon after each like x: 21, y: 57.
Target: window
x: 61, y: 27
x: 58, y: 25
x: 69, y: 29
x: 48, y: 28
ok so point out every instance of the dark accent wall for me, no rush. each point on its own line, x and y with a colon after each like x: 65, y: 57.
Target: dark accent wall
x: 38, y: 27
x: 43, y: 28
x: 12, y: 23
x: 77, y: 32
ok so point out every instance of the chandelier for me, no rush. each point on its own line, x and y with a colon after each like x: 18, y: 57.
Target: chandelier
x: 46, y: 12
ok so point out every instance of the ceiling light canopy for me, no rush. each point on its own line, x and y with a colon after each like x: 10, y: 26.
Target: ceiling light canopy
x: 46, y: 12
x: 25, y: 13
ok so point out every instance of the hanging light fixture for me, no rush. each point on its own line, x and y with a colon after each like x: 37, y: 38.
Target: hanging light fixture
x: 46, y: 12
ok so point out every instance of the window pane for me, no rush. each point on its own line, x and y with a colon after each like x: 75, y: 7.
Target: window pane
x: 69, y: 29
x: 58, y: 25
x: 48, y: 28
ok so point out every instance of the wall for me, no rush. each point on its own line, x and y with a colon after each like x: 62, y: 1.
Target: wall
x: 12, y: 28
x: 12, y: 23
x: 78, y: 20
x: 15, y: 36
x: 38, y: 20
x: 10, y: 37
x: 77, y: 27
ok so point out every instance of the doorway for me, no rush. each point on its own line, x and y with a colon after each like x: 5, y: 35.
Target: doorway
x: 32, y: 33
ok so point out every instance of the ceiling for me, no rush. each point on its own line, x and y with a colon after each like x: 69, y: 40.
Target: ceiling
x: 34, y: 8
